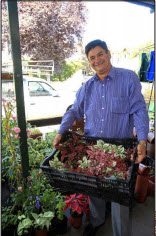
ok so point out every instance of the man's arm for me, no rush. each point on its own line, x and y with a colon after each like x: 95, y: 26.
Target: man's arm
x: 141, y: 151
x: 140, y: 116
x: 57, y: 140
x: 76, y: 112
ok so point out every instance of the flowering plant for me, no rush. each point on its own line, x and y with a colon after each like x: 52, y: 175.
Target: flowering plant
x: 10, y: 141
x: 34, y: 197
x: 78, y: 203
x: 11, y: 160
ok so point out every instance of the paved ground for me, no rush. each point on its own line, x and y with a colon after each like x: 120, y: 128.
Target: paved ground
x: 143, y: 221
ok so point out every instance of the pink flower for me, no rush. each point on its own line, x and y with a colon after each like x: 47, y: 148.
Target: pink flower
x: 16, y: 130
x: 29, y: 179
x: 14, y: 117
x: 28, y: 131
x: 9, y: 90
x: 17, y: 136
x: 3, y: 100
x: 20, y: 188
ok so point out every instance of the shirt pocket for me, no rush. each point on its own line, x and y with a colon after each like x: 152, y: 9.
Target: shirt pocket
x: 120, y: 105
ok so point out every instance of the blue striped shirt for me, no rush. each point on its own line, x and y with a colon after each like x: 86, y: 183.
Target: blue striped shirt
x: 111, y: 107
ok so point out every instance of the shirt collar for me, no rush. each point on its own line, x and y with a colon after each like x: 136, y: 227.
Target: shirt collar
x: 110, y: 75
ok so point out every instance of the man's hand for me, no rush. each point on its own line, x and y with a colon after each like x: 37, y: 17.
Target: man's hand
x: 57, y: 140
x: 141, y: 152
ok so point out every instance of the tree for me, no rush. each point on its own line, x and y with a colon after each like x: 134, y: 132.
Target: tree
x: 48, y: 30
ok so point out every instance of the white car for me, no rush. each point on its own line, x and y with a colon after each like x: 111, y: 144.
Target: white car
x: 42, y: 101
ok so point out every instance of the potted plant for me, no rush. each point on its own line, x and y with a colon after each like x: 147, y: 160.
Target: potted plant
x: 78, y: 204
x: 42, y: 222
x: 59, y: 222
x: 24, y: 226
x: 8, y: 221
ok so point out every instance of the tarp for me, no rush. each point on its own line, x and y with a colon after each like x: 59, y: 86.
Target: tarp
x: 143, y: 68
x: 151, y: 69
x: 149, y: 3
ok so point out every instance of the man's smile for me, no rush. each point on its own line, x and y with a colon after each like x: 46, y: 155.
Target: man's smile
x: 99, y: 63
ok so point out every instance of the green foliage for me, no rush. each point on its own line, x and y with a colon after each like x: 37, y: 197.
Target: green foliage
x: 42, y: 220
x: 35, y: 194
x: 84, y: 163
x: 60, y: 206
x: 107, y: 148
x: 8, y: 218
x: 35, y: 131
x: 10, y: 140
x: 67, y: 70
x: 32, y: 195
x: 59, y: 25
x: 56, y: 163
x: 24, y: 226
x: 38, y: 150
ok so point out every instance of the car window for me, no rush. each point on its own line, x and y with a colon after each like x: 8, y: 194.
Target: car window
x: 38, y: 89
x: 6, y: 85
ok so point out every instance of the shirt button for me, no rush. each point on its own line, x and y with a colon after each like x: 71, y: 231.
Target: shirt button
x: 103, y: 85
x: 102, y: 96
x: 102, y: 119
x: 101, y: 131
x: 102, y: 108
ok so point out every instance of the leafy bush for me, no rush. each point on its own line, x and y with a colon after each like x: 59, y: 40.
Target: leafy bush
x: 67, y: 70
x: 38, y: 150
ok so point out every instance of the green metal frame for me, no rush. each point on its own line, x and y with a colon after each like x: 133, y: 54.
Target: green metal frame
x: 18, y: 81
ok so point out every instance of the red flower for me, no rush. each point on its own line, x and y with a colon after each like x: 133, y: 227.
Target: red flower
x: 77, y: 203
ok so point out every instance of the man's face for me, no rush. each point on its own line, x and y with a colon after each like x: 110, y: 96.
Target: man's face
x: 99, y: 60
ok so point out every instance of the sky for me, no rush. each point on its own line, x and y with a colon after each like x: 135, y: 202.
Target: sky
x: 120, y: 24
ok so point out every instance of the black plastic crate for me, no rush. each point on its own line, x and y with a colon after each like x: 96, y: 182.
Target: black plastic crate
x: 148, y: 161
x: 111, y: 189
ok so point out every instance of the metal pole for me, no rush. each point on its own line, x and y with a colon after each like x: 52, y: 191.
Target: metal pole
x: 18, y: 81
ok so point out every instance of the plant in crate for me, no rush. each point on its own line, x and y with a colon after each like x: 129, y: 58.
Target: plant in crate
x: 78, y: 204
x: 102, y: 159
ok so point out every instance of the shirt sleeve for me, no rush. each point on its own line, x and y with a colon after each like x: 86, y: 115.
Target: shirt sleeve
x: 76, y: 112
x: 138, y: 108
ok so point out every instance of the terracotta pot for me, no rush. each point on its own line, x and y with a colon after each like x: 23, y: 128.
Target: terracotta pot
x: 88, y: 215
x: 58, y: 227
x: 151, y: 138
x: 151, y: 150
x: 41, y: 232
x: 141, y: 188
x: 151, y: 188
x: 152, y: 178
x: 75, y: 221
x: 143, y: 170
x: 151, y: 145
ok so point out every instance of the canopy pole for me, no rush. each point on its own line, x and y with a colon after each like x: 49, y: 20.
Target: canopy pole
x: 18, y: 81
